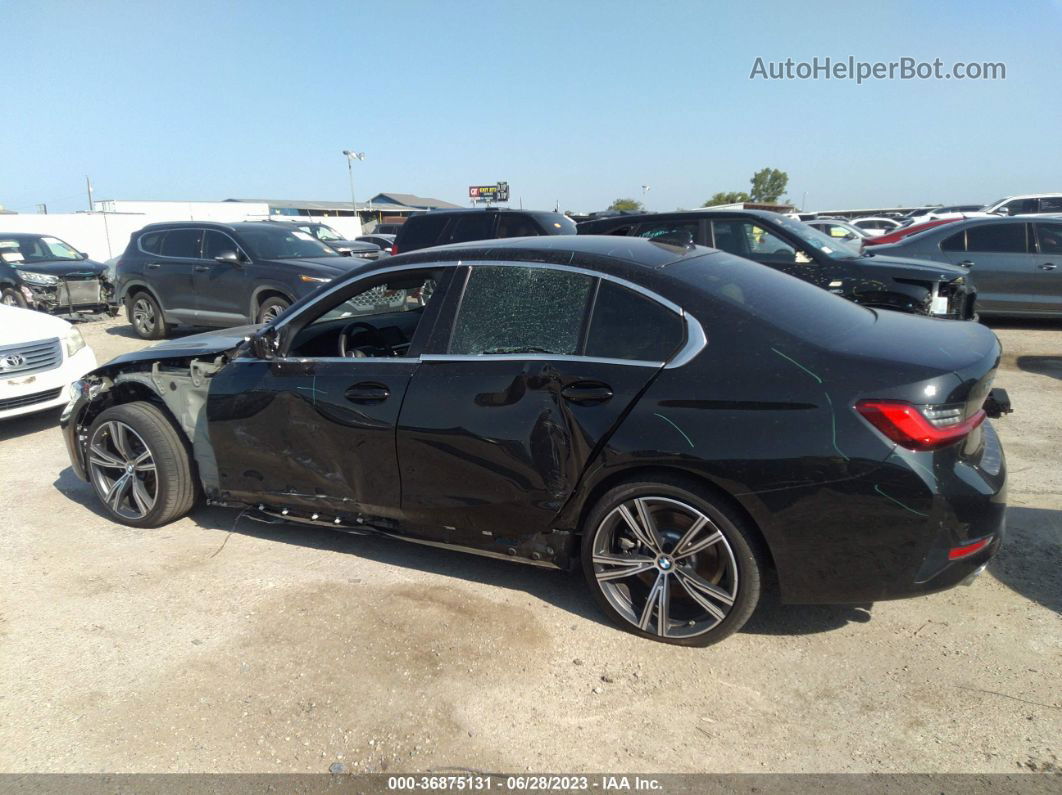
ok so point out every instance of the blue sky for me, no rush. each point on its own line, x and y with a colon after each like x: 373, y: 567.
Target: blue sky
x: 574, y: 102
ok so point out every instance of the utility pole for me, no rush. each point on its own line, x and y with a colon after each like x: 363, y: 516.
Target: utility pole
x: 645, y: 190
x: 88, y: 184
x: 351, y: 157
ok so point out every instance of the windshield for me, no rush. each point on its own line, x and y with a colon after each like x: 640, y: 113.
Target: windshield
x: 275, y: 243
x: 323, y: 232
x: 815, y: 239
x: 37, y: 249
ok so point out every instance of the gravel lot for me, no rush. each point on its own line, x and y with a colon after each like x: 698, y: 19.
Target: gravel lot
x: 219, y: 645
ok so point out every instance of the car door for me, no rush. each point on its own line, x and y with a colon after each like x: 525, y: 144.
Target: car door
x: 170, y: 272
x: 1001, y: 260
x: 1046, y: 276
x: 310, y: 430
x: 538, y: 367
x: 223, y: 287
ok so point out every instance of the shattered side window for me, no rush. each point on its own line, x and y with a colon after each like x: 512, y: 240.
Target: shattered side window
x: 521, y: 310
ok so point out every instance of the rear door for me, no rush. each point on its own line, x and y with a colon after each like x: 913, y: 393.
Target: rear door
x: 537, y: 369
x: 171, y: 272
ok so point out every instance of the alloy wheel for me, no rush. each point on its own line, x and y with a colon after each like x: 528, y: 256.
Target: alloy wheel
x: 665, y: 567
x: 122, y: 469
x: 272, y: 312
x: 144, y: 316
x: 8, y: 299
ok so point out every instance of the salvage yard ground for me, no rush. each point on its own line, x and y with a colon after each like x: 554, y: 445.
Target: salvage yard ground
x: 219, y: 644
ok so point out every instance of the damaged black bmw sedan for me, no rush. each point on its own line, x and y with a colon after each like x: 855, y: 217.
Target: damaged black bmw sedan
x: 679, y: 422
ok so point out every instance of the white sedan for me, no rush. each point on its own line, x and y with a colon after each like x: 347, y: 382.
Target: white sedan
x: 40, y: 356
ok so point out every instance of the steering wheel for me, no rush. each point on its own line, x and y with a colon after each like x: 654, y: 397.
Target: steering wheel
x: 376, y: 340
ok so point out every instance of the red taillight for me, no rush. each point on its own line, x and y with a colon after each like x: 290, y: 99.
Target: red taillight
x: 394, y: 249
x: 907, y: 425
x: 968, y: 549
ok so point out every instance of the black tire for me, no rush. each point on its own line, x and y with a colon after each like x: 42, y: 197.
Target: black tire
x: 734, y: 565
x: 145, y: 316
x: 271, y: 308
x: 10, y: 296
x: 171, y: 480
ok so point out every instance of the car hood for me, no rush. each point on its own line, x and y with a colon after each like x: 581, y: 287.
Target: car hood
x: 63, y: 267
x: 18, y: 326
x: 353, y: 245
x: 916, y: 268
x: 205, y: 344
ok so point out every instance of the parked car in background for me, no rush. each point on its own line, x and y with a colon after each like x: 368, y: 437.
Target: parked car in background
x: 1028, y: 204
x: 1016, y: 262
x: 331, y: 238
x: 213, y: 274
x: 841, y: 231
x: 385, y: 242
x: 441, y: 227
x: 386, y: 229
x: 40, y: 357
x: 906, y: 231
x: 875, y: 224
x: 951, y: 211
x: 674, y: 421
x: 795, y: 248
x: 44, y: 273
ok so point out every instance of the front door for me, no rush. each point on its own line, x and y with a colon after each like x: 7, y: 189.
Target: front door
x: 1001, y: 262
x: 223, y: 289
x: 314, y: 427
x: 540, y: 368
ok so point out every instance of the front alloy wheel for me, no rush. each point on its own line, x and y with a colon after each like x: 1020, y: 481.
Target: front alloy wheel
x: 669, y: 564
x: 139, y: 465
x: 123, y: 470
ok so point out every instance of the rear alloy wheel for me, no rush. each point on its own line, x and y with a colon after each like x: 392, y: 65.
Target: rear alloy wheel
x: 146, y: 317
x: 139, y: 466
x: 271, y: 309
x: 12, y: 297
x: 668, y: 562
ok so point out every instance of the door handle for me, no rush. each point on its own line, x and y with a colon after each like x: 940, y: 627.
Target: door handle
x: 586, y: 393
x: 201, y: 268
x: 966, y: 263
x: 367, y: 392
x: 1047, y: 266
x: 153, y: 266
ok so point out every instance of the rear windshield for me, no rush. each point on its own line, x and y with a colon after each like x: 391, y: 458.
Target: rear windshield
x: 790, y: 304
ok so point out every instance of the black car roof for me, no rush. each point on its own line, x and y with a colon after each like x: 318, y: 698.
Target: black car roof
x: 702, y: 212
x: 608, y: 253
x: 460, y: 210
x: 235, y: 226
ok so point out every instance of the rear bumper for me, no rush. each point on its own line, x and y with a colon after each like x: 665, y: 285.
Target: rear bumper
x: 888, y: 534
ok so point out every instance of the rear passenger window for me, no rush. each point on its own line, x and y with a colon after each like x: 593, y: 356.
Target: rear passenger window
x: 151, y: 242
x: 675, y: 233
x: 422, y: 231
x: 521, y: 310
x: 512, y: 225
x: 626, y: 325
x: 956, y: 242
x: 999, y: 238
x: 474, y: 226
x: 182, y: 243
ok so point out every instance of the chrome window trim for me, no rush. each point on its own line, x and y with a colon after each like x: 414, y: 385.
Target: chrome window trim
x: 696, y: 340
x: 203, y: 229
x: 536, y: 357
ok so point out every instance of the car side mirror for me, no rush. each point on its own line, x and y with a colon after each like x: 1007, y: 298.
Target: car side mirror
x: 264, y: 345
x: 229, y: 257
x: 83, y: 255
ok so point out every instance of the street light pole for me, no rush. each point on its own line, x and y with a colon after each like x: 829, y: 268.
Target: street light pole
x: 351, y: 157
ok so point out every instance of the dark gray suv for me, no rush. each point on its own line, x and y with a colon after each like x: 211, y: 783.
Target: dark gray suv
x: 212, y: 274
x: 442, y: 227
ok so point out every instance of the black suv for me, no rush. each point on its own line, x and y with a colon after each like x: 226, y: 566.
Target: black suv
x: 211, y: 274
x: 882, y: 282
x: 440, y: 227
